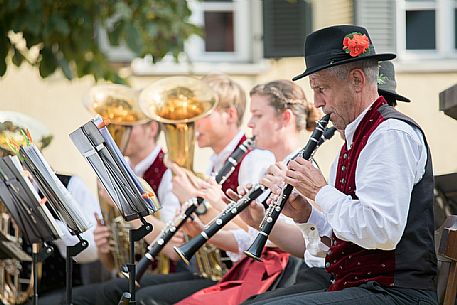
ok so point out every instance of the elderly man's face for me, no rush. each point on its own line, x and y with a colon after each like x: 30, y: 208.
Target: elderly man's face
x: 335, y: 96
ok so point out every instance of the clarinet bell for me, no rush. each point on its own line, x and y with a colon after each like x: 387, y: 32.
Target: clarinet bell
x: 256, y: 248
x: 182, y: 251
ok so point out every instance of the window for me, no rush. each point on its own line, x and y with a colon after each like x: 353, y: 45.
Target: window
x: 227, y: 31
x: 427, y: 29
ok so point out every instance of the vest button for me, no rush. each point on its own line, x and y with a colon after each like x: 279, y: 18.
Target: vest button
x: 345, y: 155
x: 343, y: 181
x: 327, y: 264
x: 343, y: 168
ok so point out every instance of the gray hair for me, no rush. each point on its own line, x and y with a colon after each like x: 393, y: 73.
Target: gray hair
x: 369, y: 67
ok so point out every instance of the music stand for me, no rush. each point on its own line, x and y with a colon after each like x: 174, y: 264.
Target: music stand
x: 72, y: 251
x: 445, y: 197
x: 38, y: 255
x: 95, y: 143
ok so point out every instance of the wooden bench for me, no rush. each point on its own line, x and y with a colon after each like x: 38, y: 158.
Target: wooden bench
x: 447, y: 257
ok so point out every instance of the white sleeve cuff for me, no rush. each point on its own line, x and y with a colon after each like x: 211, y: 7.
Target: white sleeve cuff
x: 244, y: 240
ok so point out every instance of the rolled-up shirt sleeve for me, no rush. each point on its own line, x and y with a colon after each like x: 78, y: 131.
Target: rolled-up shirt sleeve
x: 384, y: 182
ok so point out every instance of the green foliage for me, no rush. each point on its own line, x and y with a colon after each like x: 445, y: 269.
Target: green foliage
x: 66, y: 33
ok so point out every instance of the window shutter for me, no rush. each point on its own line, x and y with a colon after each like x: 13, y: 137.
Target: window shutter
x: 285, y: 26
x: 378, y: 17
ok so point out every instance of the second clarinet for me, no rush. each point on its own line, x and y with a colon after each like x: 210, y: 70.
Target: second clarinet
x: 189, y: 208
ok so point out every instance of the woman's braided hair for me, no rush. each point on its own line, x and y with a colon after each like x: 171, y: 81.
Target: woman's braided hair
x: 284, y: 94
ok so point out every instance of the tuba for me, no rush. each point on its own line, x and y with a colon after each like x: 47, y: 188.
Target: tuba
x: 15, y: 285
x: 177, y: 102
x: 118, y: 104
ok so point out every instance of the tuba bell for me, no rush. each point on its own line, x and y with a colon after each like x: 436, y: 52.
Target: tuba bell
x: 178, y: 102
x: 118, y: 105
x: 15, y: 285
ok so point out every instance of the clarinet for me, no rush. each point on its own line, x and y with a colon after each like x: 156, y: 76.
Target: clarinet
x: 274, y: 210
x: 189, y: 208
x: 187, y: 250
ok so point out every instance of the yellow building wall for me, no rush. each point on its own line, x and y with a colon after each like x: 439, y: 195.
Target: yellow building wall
x: 341, y: 12
x: 58, y: 104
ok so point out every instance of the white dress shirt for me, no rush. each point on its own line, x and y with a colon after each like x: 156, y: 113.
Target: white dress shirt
x: 389, y: 166
x: 88, y: 205
x: 252, y: 169
x: 169, y: 202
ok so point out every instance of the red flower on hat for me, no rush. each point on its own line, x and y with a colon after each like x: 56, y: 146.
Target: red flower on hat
x: 355, y: 44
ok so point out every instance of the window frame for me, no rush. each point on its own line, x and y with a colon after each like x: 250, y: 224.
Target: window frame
x: 444, y: 19
x: 195, y: 46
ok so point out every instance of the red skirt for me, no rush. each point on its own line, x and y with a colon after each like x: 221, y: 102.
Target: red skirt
x: 246, y: 278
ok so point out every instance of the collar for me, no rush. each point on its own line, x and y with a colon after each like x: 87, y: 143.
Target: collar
x: 217, y: 160
x: 352, y: 127
x: 144, y: 164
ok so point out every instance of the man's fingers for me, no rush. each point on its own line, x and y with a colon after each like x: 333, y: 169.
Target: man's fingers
x: 232, y: 195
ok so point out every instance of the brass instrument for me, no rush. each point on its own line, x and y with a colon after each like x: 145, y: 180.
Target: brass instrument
x: 177, y: 102
x: 118, y: 104
x: 16, y: 288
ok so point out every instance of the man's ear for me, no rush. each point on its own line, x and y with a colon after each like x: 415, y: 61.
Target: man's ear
x: 154, y: 129
x: 232, y: 115
x: 358, y: 79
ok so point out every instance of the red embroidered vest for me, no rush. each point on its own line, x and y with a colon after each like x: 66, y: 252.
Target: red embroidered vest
x: 413, y: 263
x: 232, y: 180
x: 154, y: 173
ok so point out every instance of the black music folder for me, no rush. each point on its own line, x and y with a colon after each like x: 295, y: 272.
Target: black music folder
x: 122, y: 185
x: 57, y: 195
x: 24, y: 204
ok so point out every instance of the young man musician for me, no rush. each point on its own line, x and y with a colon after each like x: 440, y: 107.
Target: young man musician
x: 219, y: 131
x: 378, y: 201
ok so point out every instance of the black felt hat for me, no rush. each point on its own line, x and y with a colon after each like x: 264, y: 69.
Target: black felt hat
x: 337, y: 45
x: 387, y: 86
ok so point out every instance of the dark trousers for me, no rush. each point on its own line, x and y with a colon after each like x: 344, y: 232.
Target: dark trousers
x: 367, y: 294
x: 154, y: 289
x: 307, y: 279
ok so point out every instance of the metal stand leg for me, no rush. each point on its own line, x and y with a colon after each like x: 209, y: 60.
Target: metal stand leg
x: 71, y: 252
x: 134, y: 235
x: 38, y: 255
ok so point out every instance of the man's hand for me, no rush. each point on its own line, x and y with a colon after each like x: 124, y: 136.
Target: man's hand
x: 102, y: 236
x: 212, y: 192
x: 305, y: 178
x: 297, y: 207
x: 176, y: 241
x: 193, y: 227
x: 183, y: 188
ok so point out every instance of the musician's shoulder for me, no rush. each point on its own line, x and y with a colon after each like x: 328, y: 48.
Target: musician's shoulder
x: 260, y: 156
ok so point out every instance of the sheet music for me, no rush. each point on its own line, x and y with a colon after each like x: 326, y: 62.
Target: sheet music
x: 57, y: 195
x: 101, y: 152
x: 23, y: 202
